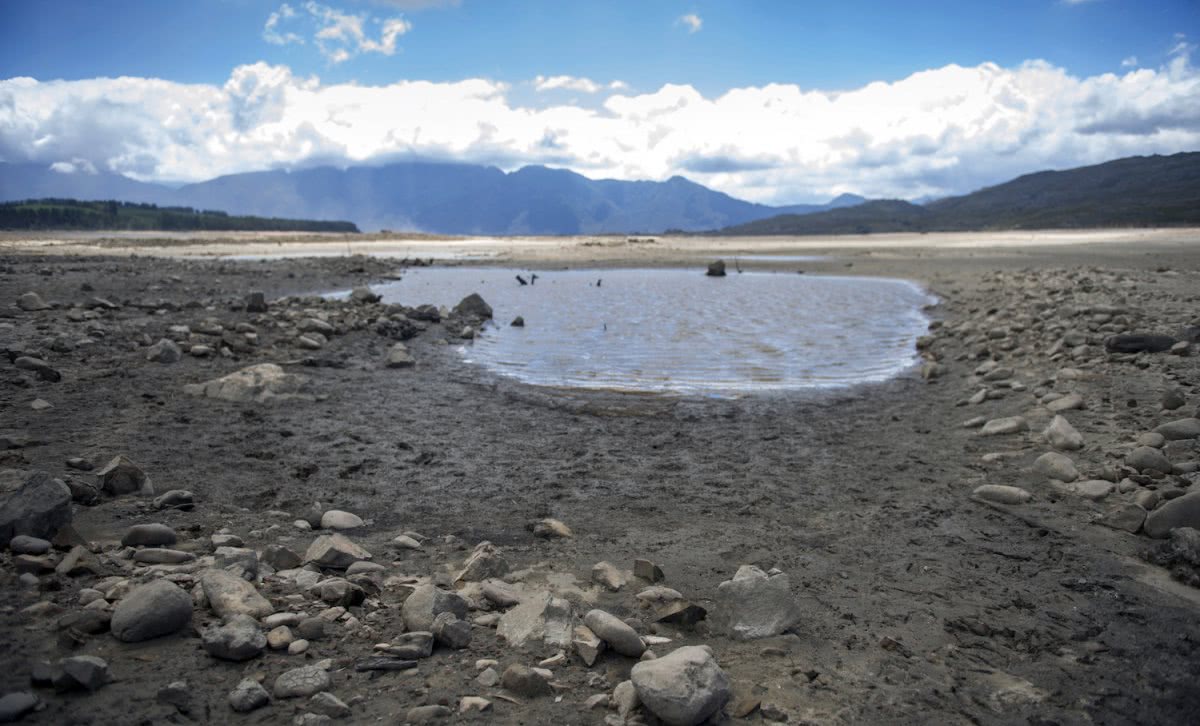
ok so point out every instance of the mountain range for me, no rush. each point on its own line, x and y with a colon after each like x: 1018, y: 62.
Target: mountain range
x: 427, y: 197
x: 1138, y: 191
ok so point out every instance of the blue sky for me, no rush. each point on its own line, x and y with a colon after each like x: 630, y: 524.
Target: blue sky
x: 825, y: 45
x: 772, y: 101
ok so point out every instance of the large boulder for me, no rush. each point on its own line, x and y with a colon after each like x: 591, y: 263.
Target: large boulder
x: 151, y: 610
x: 539, y: 619
x: 755, y: 605
x: 682, y: 688
x: 237, y: 640
x: 1179, y: 512
x: 254, y: 384
x: 1184, y: 428
x: 427, y: 602
x: 38, y: 508
x: 122, y: 476
x: 1147, y: 458
x: 229, y: 595
x: 473, y: 306
x: 335, y: 551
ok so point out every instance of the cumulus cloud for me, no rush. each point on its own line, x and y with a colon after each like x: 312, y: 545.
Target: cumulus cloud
x: 941, y: 131
x: 691, y: 21
x: 573, y: 83
x: 1129, y: 62
x: 418, y: 4
x: 338, y: 35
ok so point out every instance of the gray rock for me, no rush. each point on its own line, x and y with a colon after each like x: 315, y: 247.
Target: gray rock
x: 122, y: 476
x: 615, y: 632
x: 427, y: 714
x: 230, y: 595
x: 1139, y: 343
x: 1062, y: 435
x: 540, y: 619
x: 280, y: 557
x: 1146, y: 458
x: 754, y: 605
x: 79, y: 561
x: 363, y: 295
x: 1002, y: 494
x: 1000, y: 426
x: 302, y: 682
x: 162, y: 556
x: 1125, y: 517
x: 399, y: 357
x: 411, y: 646
x: 243, y: 558
x: 151, y: 610
x: 525, y: 681
x: 608, y: 576
x: 1069, y: 402
x: 237, y: 640
x: 500, y: 594
x: 38, y: 508
x: 248, y: 695
x: 716, y: 269
x: 550, y: 528
x: 587, y: 644
x: 329, y: 705
x: 31, y: 302
x: 452, y: 632
x: 1094, y: 489
x: 175, y: 499
x: 1184, y: 428
x: 1054, y: 465
x: 23, y: 544
x: 625, y: 699
x: 682, y: 688
x: 1179, y: 512
x: 427, y: 602
x: 473, y: 306
x: 484, y: 563
x: 336, y: 519
x: 14, y: 706
x: 149, y: 535
x: 164, y: 351
x: 648, y: 571
x: 254, y: 384
x: 338, y: 591
x: 335, y: 551
x: 517, y: 322
x: 256, y: 302
x: 86, y: 671
x: 1172, y: 399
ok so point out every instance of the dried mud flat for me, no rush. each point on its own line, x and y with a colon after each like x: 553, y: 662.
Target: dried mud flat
x: 910, y: 598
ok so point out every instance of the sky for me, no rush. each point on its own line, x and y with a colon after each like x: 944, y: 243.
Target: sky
x: 776, y: 102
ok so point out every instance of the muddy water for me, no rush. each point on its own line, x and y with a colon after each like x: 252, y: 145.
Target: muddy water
x: 678, y: 331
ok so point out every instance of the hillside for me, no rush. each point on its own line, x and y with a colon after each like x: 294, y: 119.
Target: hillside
x: 111, y: 215
x: 429, y: 197
x: 1140, y: 191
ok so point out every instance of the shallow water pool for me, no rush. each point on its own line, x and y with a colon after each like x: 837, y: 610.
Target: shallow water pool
x: 678, y: 331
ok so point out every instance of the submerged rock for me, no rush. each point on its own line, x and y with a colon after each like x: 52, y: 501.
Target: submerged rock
x: 716, y: 269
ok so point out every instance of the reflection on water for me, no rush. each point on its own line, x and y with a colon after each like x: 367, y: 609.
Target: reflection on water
x: 680, y: 331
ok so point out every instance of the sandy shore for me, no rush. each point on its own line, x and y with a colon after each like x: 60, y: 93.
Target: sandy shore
x: 911, y: 598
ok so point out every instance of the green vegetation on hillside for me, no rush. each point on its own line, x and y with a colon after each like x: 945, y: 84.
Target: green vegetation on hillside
x: 73, y: 215
x: 1140, y: 191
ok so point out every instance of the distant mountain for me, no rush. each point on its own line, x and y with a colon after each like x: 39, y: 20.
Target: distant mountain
x: 429, y: 197
x: 1139, y: 191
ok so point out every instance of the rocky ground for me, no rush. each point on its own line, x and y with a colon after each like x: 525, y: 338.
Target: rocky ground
x: 227, y: 507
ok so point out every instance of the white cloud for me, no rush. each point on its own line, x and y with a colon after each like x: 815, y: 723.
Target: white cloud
x: 1130, y: 62
x: 271, y: 32
x: 941, y: 131
x: 73, y: 166
x: 568, y: 83
x: 1077, y: 2
x: 691, y: 21
x: 338, y: 35
x: 418, y: 4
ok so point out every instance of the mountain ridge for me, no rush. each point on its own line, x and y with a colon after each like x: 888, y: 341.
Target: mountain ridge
x: 1135, y: 191
x: 445, y: 198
